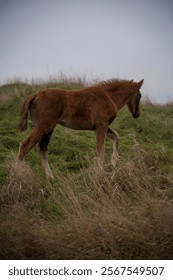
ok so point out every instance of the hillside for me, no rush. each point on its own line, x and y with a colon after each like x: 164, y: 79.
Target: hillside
x: 122, y: 213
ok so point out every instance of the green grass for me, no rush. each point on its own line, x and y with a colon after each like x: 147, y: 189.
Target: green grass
x: 154, y: 130
x: 124, y: 213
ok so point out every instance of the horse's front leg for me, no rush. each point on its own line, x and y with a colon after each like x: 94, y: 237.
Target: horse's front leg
x: 101, y: 131
x: 115, y: 137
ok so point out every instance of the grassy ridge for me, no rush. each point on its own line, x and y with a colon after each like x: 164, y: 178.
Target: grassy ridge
x: 121, y: 213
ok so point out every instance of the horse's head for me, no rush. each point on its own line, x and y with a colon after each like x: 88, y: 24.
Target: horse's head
x: 133, y: 103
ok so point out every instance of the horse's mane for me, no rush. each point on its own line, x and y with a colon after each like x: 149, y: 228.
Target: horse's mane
x: 109, y: 84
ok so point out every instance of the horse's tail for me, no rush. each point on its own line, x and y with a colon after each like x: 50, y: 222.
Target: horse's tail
x: 22, y: 126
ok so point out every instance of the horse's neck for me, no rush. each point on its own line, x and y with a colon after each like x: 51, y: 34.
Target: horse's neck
x: 120, y: 98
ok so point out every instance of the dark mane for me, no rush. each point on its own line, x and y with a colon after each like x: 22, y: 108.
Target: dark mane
x: 109, y: 84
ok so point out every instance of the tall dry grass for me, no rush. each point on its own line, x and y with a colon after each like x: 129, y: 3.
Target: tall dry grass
x: 121, y: 213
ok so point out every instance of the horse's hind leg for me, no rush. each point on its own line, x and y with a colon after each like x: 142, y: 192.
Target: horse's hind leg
x: 43, y: 146
x: 29, y: 142
x: 115, y: 137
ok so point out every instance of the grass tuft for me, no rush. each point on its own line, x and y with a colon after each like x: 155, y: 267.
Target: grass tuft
x: 122, y: 213
x: 21, y: 186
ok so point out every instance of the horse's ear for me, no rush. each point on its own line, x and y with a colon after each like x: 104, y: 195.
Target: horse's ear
x: 131, y: 80
x: 140, y: 83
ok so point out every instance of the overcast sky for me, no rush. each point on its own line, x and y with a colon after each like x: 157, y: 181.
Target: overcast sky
x: 131, y: 39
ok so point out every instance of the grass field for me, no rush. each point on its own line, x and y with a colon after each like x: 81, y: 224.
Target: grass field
x: 122, y: 213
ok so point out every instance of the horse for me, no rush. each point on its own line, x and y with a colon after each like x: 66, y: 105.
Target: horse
x: 92, y: 108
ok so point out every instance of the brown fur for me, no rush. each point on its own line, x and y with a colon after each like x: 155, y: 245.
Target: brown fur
x: 91, y: 108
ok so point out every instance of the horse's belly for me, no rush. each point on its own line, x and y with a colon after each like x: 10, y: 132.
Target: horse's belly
x: 76, y: 124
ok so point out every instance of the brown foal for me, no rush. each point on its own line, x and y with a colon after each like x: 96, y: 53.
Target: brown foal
x: 91, y: 108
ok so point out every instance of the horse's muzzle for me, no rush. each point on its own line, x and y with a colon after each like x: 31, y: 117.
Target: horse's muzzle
x: 136, y: 115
